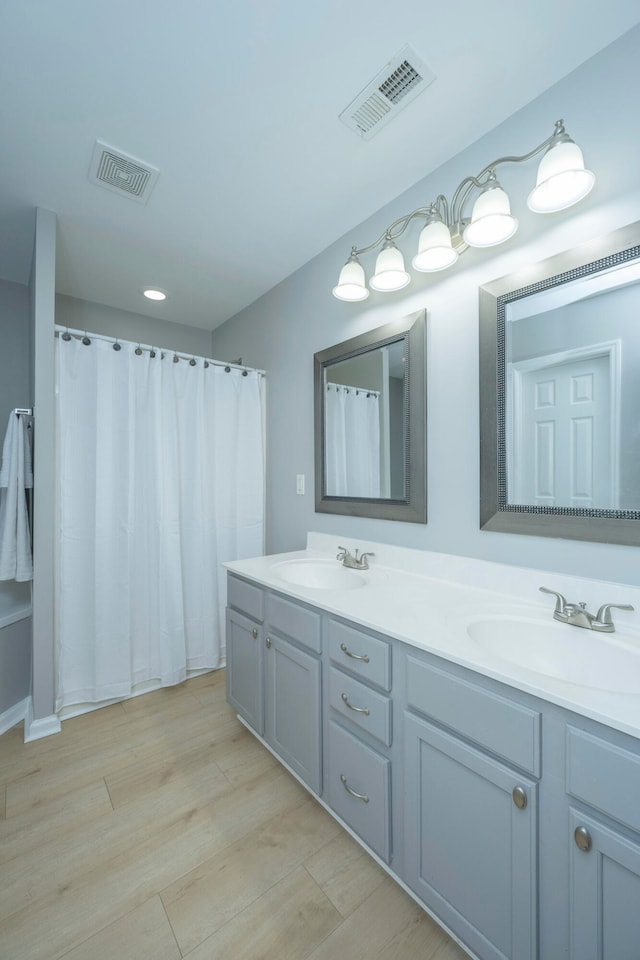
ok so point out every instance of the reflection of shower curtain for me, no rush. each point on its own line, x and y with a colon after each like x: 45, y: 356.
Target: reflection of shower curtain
x: 352, y: 442
x: 160, y: 480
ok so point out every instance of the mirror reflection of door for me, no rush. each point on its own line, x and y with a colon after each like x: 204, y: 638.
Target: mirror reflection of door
x: 364, y: 424
x: 565, y: 449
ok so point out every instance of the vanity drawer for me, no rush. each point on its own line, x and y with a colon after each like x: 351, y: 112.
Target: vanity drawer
x: 245, y: 597
x: 502, y: 726
x: 295, y: 621
x: 354, y: 769
x: 360, y: 653
x: 369, y: 710
x: 605, y: 776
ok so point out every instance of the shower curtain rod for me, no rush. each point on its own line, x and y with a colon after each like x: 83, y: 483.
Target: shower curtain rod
x: 176, y: 354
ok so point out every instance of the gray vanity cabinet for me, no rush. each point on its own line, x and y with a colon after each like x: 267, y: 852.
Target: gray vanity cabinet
x: 245, y: 681
x: 293, y: 708
x: 274, y: 674
x: 360, y: 733
x: 470, y: 817
x: 603, y: 784
x: 293, y: 687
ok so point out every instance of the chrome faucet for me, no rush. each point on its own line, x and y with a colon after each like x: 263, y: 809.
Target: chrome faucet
x: 577, y: 614
x: 352, y: 561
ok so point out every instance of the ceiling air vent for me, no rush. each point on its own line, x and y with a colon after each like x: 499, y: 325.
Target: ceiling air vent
x: 395, y: 86
x: 121, y: 173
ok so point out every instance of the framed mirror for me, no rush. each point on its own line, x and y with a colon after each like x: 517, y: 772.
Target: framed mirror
x: 370, y: 424
x: 560, y: 395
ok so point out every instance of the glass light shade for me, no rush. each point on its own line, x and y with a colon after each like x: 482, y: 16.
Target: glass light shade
x: 562, y: 179
x: 435, y: 251
x: 351, y: 284
x: 491, y: 220
x: 390, y: 273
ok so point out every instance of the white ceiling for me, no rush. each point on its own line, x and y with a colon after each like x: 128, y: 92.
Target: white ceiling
x: 237, y: 104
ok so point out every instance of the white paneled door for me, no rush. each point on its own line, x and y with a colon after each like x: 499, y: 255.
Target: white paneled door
x: 564, y: 426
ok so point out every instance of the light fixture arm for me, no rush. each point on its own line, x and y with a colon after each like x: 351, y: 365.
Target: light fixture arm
x: 395, y: 230
x: 562, y: 181
x: 458, y: 201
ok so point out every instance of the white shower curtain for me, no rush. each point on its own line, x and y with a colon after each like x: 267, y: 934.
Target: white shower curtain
x: 352, y: 432
x: 160, y: 468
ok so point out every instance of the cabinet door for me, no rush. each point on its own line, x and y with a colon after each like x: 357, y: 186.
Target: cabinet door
x: 292, y: 700
x: 470, y: 852
x: 605, y: 893
x: 244, y: 668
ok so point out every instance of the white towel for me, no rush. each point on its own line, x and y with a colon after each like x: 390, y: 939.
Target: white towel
x: 15, y: 477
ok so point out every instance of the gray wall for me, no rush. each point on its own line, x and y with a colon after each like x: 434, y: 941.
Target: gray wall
x: 282, y: 330
x: 96, y: 318
x: 15, y: 391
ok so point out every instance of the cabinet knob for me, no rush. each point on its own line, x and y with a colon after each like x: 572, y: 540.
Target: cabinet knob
x: 583, y: 839
x: 254, y: 633
x: 268, y: 643
x: 519, y: 797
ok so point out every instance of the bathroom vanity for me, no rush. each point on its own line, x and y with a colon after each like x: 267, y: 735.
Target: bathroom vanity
x: 505, y: 799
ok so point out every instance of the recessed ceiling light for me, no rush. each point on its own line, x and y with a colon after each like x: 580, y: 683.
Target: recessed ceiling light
x: 153, y: 293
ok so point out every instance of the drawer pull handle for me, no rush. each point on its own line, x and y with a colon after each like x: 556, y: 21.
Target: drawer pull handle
x: 352, y: 793
x: 254, y: 633
x: 345, y: 700
x: 354, y: 656
x: 583, y: 839
x: 519, y: 797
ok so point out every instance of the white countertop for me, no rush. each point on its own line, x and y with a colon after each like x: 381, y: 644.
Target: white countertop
x: 426, y: 600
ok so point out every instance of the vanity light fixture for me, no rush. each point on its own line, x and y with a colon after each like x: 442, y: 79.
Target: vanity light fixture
x: 154, y: 293
x: 561, y: 181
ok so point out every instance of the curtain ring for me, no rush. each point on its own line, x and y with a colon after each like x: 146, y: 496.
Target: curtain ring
x: 176, y: 358
x: 117, y: 346
x: 138, y: 351
x: 86, y: 340
x: 245, y: 373
x: 66, y: 335
x: 152, y: 353
x: 227, y: 369
x: 192, y: 362
x: 206, y: 364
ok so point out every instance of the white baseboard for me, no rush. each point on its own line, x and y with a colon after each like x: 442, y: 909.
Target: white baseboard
x: 43, y: 727
x: 14, y: 715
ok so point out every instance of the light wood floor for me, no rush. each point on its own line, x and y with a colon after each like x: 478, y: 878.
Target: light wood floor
x: 159, y: 828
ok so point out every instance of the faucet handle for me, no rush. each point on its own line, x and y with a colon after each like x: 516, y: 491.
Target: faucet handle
x: 561, y: 603
x: 603, y: 615
x: 364, y: 563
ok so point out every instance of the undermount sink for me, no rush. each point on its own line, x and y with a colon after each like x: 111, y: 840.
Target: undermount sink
x: 571, y: 654
x: 319, y: 574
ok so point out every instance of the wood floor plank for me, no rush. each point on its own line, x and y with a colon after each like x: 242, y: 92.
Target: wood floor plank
x: 345, y: 873
x: 135, y: 743
x: 66, y: 916
x: 3, y: 801
x: 35, y: 827
x: 208, y: 897
x: 142, y: 934
x: 286, y: 923
x: 98, y: 841
x: 370, y: 928
x: 421, y: 937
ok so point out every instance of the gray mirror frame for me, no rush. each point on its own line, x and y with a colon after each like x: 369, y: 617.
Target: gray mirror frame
x: 496, y: 514
x: 413, y: 508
